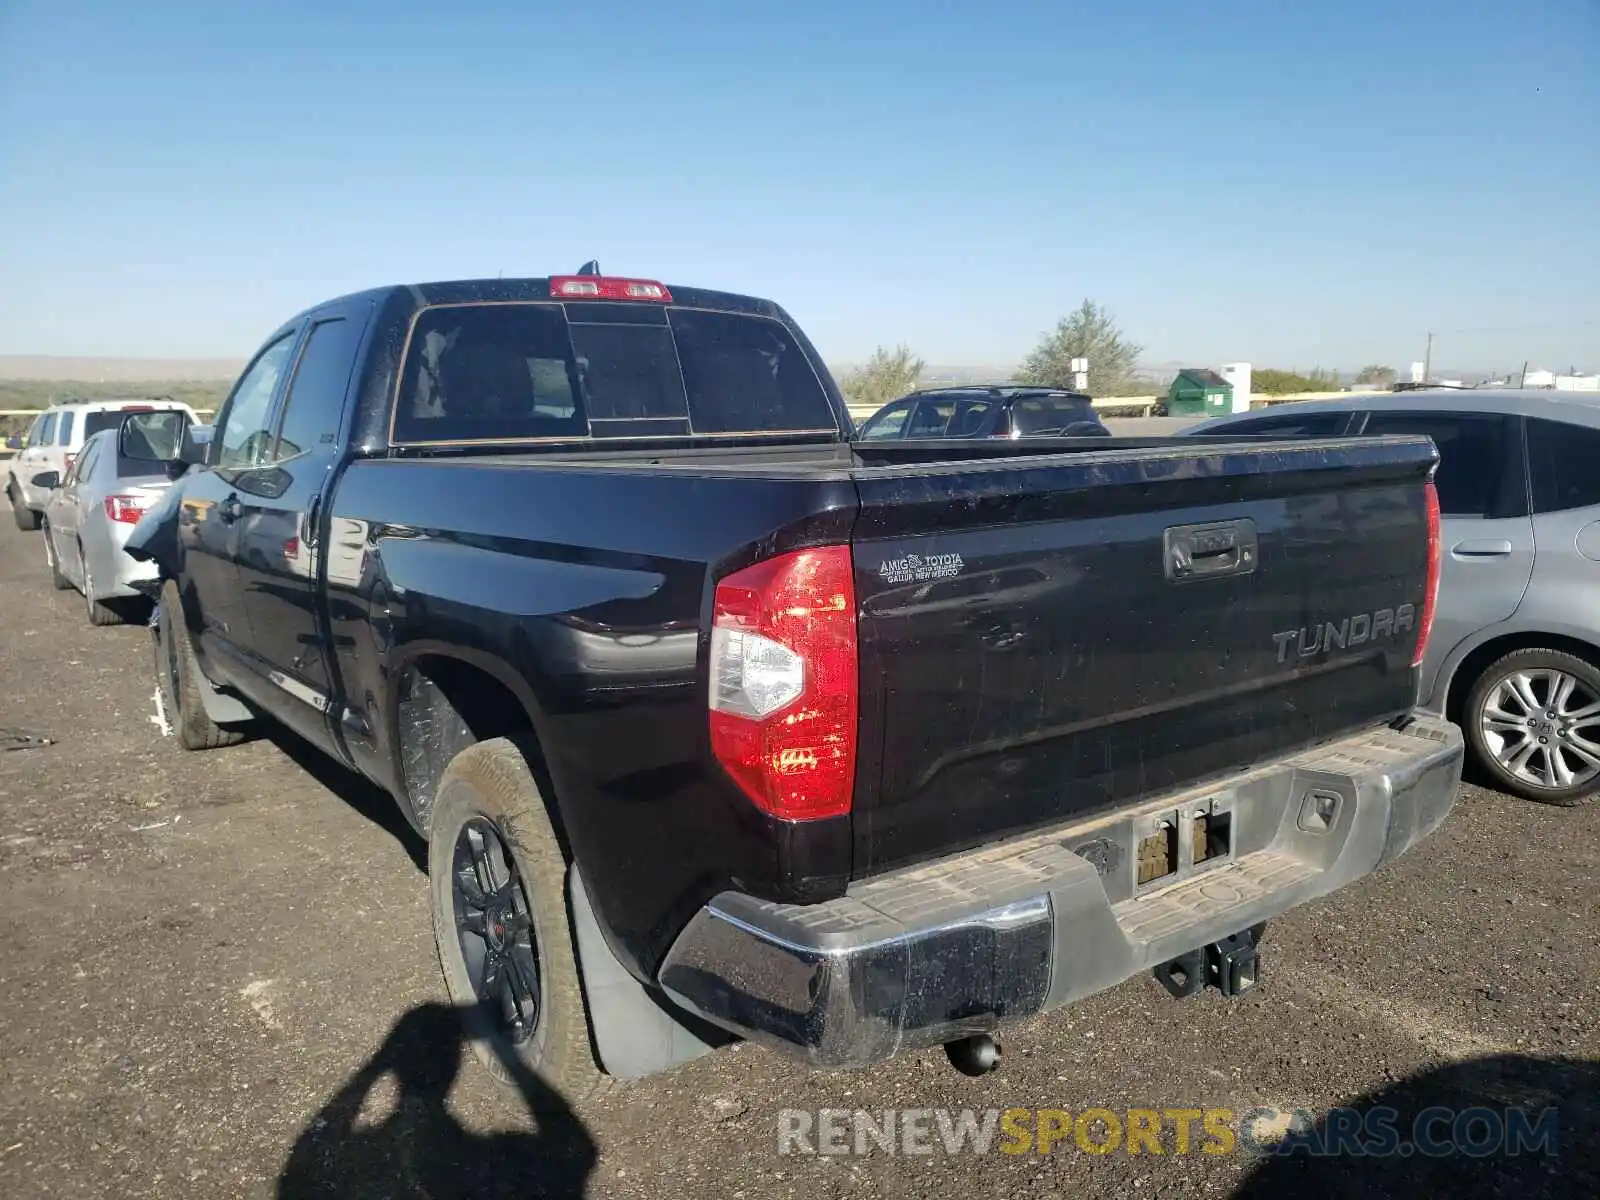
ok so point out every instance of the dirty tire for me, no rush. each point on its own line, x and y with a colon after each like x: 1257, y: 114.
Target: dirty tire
x: 1472, y: 720
x: 491, y: 781
x: 178, y: 677
x: 57, y: 580
x: 27, y: 520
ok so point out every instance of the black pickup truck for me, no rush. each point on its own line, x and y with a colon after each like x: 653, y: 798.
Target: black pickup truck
x: 721, y: 724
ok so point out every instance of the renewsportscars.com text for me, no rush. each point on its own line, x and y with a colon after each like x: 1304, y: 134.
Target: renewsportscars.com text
x: 1436, y: 1132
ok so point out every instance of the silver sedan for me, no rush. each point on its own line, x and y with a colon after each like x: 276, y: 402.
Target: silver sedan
x: 119, y: 473
x: 1515, y: 652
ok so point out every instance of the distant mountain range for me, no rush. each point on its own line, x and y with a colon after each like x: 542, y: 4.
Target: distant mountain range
x: 116, y: 370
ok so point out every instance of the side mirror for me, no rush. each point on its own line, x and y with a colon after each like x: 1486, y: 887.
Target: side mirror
x: 196, y: 446
x: 151, y: 437
x: 49, y: 480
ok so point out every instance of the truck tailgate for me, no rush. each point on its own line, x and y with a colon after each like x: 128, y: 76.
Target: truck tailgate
x: 1058, y: 635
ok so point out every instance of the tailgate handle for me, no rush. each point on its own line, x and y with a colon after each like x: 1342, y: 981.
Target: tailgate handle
x: 1208, y: 551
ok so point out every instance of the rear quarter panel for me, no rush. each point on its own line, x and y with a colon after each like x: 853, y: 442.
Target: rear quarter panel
x: 1562, y: 601
x: 586, y: 591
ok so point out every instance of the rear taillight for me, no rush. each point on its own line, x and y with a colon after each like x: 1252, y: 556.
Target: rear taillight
x: 602, y: 287
x: 1430, y: 597
x: 127, y: 509
x: 784, y: 682
x: 67, y: 463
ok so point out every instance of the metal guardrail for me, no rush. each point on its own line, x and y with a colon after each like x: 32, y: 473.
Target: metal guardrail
x: 1144, y: 405
x: 1141, y: 404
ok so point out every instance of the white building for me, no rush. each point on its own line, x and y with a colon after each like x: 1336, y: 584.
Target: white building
x: 1561, y: 383
x: 1578, y: 383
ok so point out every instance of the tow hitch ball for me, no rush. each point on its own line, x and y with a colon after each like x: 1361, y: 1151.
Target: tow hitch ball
x: 1232, y: 966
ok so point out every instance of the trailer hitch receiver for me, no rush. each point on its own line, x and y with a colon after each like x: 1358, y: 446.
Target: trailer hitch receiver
x: 1232, y: 966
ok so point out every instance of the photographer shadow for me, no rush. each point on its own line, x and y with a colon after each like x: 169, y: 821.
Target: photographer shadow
x: 1566, y: 1165
x: 419, y: 1148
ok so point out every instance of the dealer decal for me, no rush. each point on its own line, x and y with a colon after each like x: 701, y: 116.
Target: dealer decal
x: 918, y: 568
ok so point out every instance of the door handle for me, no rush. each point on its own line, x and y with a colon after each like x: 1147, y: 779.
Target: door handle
x: 229, y: 509
x: 313, y: 515
x: 1482, y: 548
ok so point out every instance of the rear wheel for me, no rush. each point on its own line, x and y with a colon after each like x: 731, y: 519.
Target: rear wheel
x: 497, y: 875
x: 24, y: 516
x: 179, y: 679
x: 100, y: 613
x: 1533, y: 721
x: 57, y: 580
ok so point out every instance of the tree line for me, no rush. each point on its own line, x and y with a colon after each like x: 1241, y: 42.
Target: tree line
x: 1090, y: 332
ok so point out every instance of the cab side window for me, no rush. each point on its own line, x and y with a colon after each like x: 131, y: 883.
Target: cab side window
x: 315, y: 400
x: 64, y: 429
x: 246, y: 433
x: 47, y: 432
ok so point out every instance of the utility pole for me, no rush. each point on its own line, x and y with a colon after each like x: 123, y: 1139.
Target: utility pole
x: 1427, y: 359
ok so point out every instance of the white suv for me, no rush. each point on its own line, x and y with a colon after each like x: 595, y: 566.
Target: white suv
x: 54, y: 440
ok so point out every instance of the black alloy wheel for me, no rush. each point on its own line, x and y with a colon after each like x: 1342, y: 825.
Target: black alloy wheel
x: 494, y: 925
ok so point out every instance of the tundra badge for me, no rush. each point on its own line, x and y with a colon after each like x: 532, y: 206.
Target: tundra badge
x: 1349, y: 632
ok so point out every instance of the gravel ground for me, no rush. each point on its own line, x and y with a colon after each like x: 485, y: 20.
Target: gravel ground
x: 219, y: 979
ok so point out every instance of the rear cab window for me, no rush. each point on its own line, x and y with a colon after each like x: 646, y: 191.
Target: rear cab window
x: 547, y: 369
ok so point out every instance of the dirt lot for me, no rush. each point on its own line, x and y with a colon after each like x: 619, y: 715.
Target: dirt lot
x: 211, y: 962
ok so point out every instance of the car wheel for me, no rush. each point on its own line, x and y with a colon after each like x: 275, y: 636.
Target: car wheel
x: 1533, y: 722
x: 100, y: 613
x: 179, y: 680
x: 497, y: 876
x: 57, y: 580
x: 26, y: 519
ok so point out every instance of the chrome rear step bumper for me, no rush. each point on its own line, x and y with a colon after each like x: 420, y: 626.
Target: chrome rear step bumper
x: 959, y: 946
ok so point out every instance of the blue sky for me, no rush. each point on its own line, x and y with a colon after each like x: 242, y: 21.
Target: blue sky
x: 1293, y: 184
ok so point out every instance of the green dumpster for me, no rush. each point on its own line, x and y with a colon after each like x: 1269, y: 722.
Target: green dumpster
x: 1199, y: 392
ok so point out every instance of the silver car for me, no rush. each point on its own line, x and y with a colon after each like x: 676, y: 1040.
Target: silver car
x: 1515, y: 653
x: 89, y: 513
